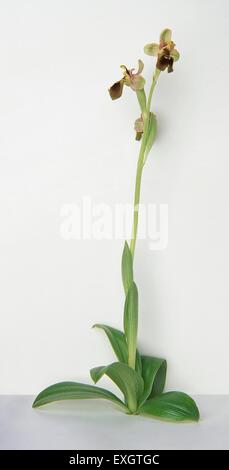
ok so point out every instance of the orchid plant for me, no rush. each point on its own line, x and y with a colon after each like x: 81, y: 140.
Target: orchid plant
x: 140, y: 378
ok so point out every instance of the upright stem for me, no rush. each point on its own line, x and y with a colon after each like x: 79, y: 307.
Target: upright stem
x: 141, y: 164
x: 137, y: 196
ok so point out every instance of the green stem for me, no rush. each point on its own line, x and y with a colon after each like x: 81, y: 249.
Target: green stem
x: 153, y: 84
x: 141, y: 164
x: 141, y: 96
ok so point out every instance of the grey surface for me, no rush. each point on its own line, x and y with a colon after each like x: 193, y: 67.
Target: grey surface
x: 97, y: 425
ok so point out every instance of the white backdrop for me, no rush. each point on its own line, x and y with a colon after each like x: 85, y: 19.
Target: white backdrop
x: 63, y: 138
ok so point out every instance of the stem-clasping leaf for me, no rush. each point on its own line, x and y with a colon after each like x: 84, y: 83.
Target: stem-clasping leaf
x: 154, y: 375
x: 127, y: 268
x: 118, y: 342
x: 152, y: 131
x: 131, y: 323
x: 128, y: 381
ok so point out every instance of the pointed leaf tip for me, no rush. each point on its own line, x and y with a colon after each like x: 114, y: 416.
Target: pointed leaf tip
x: 117, y: 340
x: 119, y: 345
x: 73, y: 391
x: 127, y: 267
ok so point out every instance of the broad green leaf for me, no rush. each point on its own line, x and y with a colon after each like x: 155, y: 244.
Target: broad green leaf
x: 127, y: 380
x: 118, y: 342
x: 74, y: 391
x: 131, y: 323
x: 154, y: 375
x: 127, y: 268
x: 171, y: 406
x: 152, y: 131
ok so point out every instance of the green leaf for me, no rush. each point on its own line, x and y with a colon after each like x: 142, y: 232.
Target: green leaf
x: 171, y: 406
x: 74, y: 391
x: 154, y: 375
x: 128, y: 381
x: 138, y: 363
x: 127, y: 268
x: 131, y: 323
x: 118, y: 342
x: 152, y: 131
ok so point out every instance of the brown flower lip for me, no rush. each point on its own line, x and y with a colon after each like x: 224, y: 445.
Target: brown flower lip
x: 116, y: 90
x: 165, y: 60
